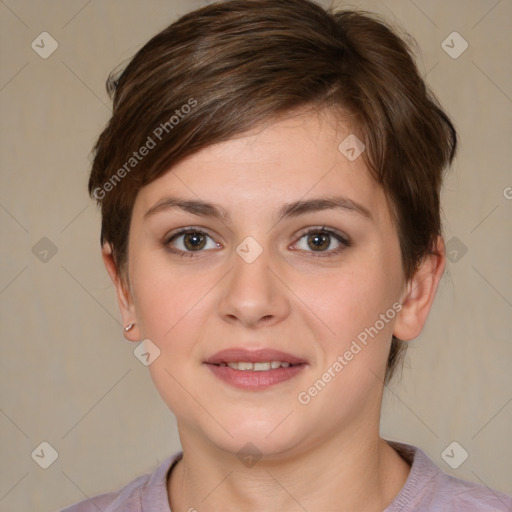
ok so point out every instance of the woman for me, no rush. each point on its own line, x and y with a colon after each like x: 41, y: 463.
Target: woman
x: 269, y: 185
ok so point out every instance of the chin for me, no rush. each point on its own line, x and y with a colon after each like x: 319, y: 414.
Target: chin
x: 265, y: 436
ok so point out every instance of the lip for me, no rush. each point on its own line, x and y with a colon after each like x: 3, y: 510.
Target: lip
x: 251, y: 380
x: 232, y: 355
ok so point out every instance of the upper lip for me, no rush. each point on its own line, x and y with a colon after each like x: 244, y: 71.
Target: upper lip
x: 233, y: 355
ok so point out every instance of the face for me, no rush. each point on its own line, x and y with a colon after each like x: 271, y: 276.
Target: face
x: 288, y: 255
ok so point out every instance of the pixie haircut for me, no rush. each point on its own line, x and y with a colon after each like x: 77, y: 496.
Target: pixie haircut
x: 231, y: 66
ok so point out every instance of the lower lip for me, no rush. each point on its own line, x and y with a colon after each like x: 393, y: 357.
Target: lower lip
x: 251, y: 380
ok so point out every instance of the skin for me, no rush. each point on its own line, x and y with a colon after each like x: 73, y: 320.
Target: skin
x: 287, y: 299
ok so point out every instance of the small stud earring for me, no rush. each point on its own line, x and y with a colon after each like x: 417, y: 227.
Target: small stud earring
x: 128, y: 327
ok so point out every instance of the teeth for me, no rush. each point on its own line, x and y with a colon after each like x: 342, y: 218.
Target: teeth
x: 257, y: 367
x: 261, y: 367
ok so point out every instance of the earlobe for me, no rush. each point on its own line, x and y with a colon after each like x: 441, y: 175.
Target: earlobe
x: 420, y: 293
x: 124, y: 299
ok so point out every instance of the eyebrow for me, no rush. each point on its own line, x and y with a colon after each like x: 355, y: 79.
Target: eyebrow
x: 294, y: 209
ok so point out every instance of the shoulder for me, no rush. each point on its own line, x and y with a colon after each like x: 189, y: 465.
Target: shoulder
x: 149, y: 489
x: 428, y: 488
x: 460, y: 495
x: 128, y: 497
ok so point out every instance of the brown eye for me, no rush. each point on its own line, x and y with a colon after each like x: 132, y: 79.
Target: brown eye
x: 320, y: 241
x: 194, y: 240
x: 189, y: 241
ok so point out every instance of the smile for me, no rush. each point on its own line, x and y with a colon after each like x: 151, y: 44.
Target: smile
x: 257, y: 367
x: 257, y: 377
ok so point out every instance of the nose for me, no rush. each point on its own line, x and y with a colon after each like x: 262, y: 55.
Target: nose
x: 253, y: 295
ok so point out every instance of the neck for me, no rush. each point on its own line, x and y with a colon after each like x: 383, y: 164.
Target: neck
x: 364, y: 473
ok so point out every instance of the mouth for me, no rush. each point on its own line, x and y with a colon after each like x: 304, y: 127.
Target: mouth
x: 254, y: 369
x: 257, y: 367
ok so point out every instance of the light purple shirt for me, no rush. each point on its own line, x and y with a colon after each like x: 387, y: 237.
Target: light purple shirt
x: 427, y: 489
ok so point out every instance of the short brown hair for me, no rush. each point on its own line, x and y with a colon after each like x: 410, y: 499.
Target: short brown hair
x: 225, y: 68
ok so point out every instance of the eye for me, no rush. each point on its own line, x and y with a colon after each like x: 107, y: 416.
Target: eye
x: 192, y: 240
x: 319, y: 240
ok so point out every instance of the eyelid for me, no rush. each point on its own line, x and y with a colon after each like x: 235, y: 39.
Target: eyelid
x: 325, y: 229
x: 187, y: 229
x: 341, y: 237
x: 170, y: 237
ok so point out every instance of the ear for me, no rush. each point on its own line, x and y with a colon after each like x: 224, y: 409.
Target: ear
x: 419, y: 294
x: 124, y: 298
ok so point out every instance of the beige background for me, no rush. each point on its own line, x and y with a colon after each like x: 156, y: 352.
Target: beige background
x: 68, y: 376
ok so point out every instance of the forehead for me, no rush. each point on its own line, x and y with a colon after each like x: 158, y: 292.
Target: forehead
x: 299, y: 157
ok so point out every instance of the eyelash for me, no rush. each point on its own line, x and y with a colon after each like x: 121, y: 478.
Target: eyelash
x: 321, y: 254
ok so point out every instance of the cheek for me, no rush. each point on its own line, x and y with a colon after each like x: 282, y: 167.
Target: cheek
x: 340, y: 303
x: 352, y: 300
x: 168, y: 308
x: 166, y: 299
